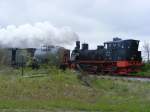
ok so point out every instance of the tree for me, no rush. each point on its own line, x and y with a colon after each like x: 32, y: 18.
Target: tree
x: 146, y: 48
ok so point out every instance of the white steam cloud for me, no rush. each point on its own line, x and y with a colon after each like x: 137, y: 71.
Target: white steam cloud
x: 27, y: 35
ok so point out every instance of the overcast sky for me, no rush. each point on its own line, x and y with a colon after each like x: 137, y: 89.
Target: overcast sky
x: 95, y: 21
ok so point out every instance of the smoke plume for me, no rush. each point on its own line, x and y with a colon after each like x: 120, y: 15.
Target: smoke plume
x: 27, y: 35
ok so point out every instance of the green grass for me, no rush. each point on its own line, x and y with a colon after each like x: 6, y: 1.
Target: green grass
x: 145, y: 70
x: 61, y: 90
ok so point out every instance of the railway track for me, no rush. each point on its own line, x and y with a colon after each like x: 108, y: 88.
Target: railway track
x: 126, y: 77
x: 115, y: 77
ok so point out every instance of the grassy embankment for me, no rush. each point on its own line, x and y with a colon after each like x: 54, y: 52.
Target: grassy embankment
x: 145, y: 70
x: 61, y: 90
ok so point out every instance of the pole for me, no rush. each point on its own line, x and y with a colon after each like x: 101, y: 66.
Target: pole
x: 22, y: 72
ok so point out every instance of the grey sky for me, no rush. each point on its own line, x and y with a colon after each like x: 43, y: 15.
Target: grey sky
x: 95, y: 21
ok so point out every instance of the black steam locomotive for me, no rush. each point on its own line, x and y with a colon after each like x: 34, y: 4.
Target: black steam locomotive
x: 117, y: 56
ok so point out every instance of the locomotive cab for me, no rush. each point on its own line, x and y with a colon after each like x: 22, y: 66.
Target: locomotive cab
x: 123, y: 50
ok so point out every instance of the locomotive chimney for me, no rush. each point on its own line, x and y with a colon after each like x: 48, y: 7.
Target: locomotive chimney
x: 85, y: 46
x: 100, y: 47
x: 78, y: 45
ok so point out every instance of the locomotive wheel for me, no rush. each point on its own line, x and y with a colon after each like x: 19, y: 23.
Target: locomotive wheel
x: 73, y: 66
x: 63, y: 66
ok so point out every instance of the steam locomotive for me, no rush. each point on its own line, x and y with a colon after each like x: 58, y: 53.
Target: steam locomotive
x: 115, y: 57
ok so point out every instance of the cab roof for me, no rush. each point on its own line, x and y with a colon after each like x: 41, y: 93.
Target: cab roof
x: 119, y: 41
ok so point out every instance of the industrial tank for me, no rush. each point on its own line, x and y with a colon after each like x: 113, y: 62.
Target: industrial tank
x: 52, y: 55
